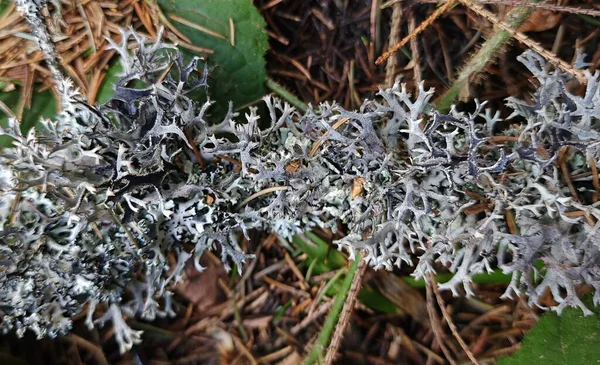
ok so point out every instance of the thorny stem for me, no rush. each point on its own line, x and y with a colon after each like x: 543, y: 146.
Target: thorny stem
x: 32, y: 11
x: 316, y: 352
x: 346, y: 312
x: 286, y: 95
x: 479, y: 60
x: 477, y: 8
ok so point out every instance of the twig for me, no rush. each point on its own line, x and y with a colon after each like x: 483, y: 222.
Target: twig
x: 331, y: 320
x: 566, y: 175
x: 435, y: 322
x: 595, y: 181
x: 32, y: 12
x: 414, y: 49
x: 453, y: 329
x: 336, y: 340
x: 436, y: 14
x: 318, y: 144
x: 394, y: 33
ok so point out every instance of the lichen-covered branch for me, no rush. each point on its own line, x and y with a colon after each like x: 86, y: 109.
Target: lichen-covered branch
x: 32, y: 11
x: 93, y: 203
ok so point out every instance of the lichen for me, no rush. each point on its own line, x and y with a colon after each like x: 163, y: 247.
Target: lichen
x: 93, y: 203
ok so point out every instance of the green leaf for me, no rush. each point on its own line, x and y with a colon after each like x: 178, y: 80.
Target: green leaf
x: 107, y: 89
x: 3, y: 5
x: 590, y: 19
x: 238, y: 72
x: 327, y: 258
x: 43, y: 104
x: 375, y: 300
x: 569, y: 339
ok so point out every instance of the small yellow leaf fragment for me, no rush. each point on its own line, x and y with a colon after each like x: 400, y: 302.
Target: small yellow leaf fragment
x: 209, y: 199
x: 357, y: 187
x: 293, y: 166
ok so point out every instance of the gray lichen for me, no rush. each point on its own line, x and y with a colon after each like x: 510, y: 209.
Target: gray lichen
x: 92, y: 203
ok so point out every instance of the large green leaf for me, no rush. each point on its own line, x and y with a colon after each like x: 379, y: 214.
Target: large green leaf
x: 568, y: 339
x: 107, y: 89
x: 43, y: 104
x: 3, y: 5
x: 238, y: 71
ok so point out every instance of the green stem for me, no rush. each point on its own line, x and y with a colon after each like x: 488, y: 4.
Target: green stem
x: 481, y: 58
x: 496, y: 277
x: 286, y: 95
x: 317, y: 351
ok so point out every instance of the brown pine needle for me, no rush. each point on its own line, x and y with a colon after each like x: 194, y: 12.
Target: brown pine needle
x: 479, y: 9
x: 319, y: 142
x: 427, y: 22
x: 562, y: 154
x: 197, y: 27
x: 261, y: 193
x: 595, y: 181
x: 195, y: 149
x: 231, y: 32
x: 446, y: 315
x: 164, y: 20
x: 142, y: 15
x: 191, y: 47
x: 394, y: 33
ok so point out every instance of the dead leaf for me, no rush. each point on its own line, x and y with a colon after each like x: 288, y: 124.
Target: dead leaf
x: 541, y: 20
x: 201, y: 288
x: 407, y: 299
x: 209, y: 199
x: 292, y: 167
x: 357, y: 187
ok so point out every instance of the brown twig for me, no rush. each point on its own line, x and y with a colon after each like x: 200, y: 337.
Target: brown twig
x: 435, y: 322
x: 453, y: 329
x: 566, y: 175
x: 394, y: 35
x: 427, y: 22
x: 595, y: 181
x: 414, y: 49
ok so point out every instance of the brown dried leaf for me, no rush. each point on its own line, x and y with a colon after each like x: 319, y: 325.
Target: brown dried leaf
x: 541, y: 20
x: 201, y: 288
x: 407, y: 299
x: 357, y: 187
